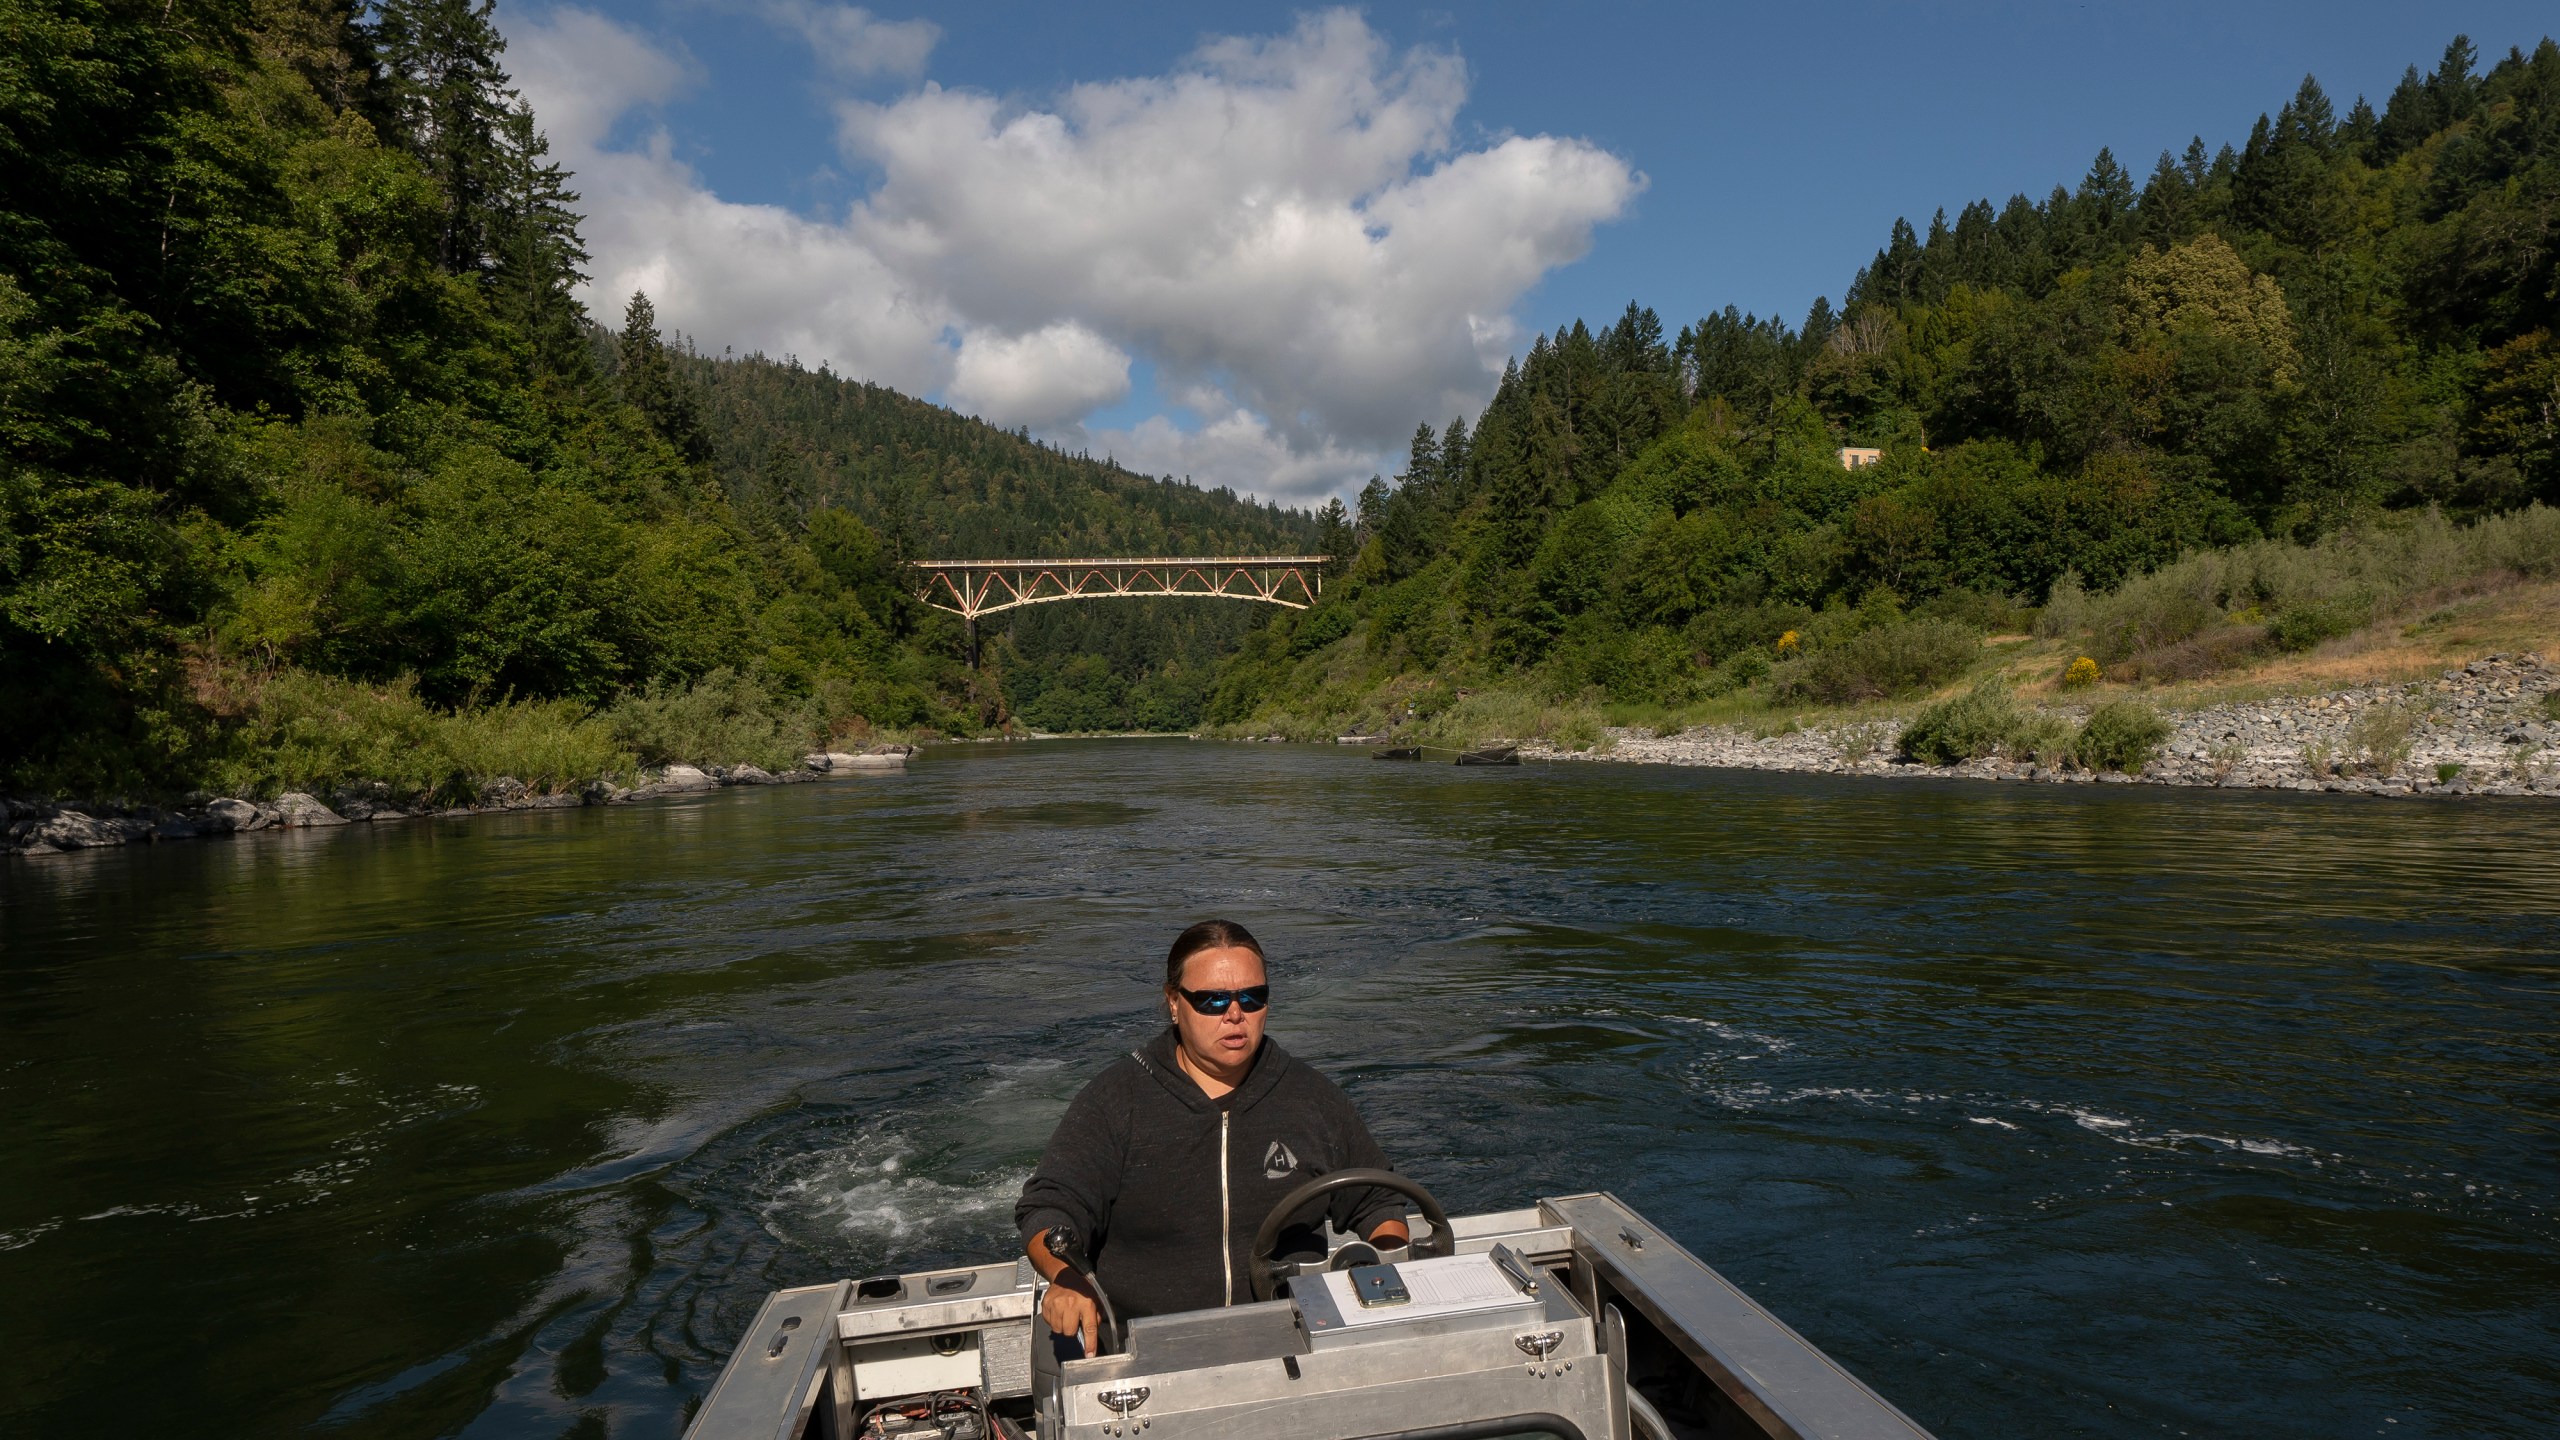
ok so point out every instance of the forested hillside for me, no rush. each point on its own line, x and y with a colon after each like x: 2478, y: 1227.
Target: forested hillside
x: 312, y: 467
x: 2341, y: 321
x: 932, y: 484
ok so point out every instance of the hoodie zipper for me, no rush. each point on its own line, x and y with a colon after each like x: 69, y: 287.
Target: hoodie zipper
x: 1226, y: 1212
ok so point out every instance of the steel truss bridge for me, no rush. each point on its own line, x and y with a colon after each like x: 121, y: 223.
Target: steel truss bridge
x: 971, y: 588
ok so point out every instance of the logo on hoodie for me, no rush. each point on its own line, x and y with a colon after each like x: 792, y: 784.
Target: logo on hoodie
x: 1277, y: 1162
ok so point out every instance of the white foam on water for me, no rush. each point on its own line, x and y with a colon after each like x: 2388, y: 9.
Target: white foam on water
x: 875, y: 1195
x: 1769, y: 1044
x: 21, y: 1239
x: 2228, y: 1142
x: 1987, y: 1120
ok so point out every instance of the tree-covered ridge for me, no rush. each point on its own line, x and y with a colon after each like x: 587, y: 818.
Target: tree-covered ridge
x: 940, y: 485
x: 2337, y: 320
x: 301, y: 423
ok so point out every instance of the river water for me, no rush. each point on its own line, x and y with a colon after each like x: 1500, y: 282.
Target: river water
x: 2050, y: 1111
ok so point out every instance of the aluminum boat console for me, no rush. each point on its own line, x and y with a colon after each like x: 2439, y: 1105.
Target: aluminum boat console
x: 1574, y: 1318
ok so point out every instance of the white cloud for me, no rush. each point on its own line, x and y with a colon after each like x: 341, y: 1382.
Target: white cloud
x: 756, y: 276
x: 1051, y: 377
x: 583, y: 73
x: 1236, y: 449
x: 1286, y: 228
x: 855, y: 43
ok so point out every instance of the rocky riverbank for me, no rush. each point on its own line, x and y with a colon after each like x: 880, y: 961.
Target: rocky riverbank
x: 2485, y: 729
x: 33, y: 827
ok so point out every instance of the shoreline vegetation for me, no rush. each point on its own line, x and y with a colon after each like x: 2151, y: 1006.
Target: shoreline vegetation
x: 40, y: 828
x: 2402, y: 656
x: 2487, y: 728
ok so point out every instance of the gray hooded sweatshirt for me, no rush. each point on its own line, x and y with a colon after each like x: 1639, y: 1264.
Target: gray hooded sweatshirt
x: 1166, y: 1186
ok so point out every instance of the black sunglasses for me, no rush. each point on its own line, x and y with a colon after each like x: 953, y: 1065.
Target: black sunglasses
x: 1215, y: 1002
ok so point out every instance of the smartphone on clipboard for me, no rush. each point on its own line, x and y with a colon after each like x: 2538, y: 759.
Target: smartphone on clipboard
x: 1377, y: 1285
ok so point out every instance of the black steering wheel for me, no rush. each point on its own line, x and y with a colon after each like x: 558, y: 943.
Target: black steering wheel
x: 1441, y: 1242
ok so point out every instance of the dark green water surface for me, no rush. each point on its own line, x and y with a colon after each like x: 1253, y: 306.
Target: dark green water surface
x: 2050, y: 1111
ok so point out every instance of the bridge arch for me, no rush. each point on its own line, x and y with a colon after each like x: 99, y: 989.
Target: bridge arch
x: 971, y: 588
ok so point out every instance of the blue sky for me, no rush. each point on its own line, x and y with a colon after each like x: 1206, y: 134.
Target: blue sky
x: 1685, y: 156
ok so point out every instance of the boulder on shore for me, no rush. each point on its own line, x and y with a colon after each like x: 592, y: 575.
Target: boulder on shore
x: 878, y: 757
x: 681, y: 776
x: 71, y: 830
x: 228, y: 814
x: 298, y: 811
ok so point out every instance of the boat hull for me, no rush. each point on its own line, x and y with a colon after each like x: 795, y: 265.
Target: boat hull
x: 1610, y: 1329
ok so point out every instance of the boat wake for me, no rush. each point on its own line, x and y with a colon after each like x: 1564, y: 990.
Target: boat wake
x: 881, y: 1199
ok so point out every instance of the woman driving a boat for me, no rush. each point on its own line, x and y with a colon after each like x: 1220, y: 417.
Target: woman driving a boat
x: 1166, y: 1161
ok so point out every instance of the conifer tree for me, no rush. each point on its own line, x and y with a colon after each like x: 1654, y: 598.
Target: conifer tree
x: 448, y: 100
x: 649, y: 382
x: 1815, y: 333
x: 1422, y: 464
x: 537, y: 251
x: 2168, y: 203
x: 1456, y: 487
x: 2452, y: 88
x: 2360, y: 129
x: 1333, y: 534
x: 2408, y: 117
x: 1373, y: 509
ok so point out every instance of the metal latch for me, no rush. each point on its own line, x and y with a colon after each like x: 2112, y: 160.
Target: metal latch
x: 1511, y: 1264
x: 1538, y: 1347
x: 1128, y: 1398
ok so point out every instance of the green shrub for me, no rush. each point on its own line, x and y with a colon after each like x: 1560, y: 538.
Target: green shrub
x: 550, y: 745
x: 2040, y: 736
x: 1646, y: 666
x: 1893, y: 659
x: 2315, y: 591
x: 1726, y: 632
x: 315, y: 733
x: 2313, y: 621
x: 1739, y: 671
x: 1983, y: 611
x: 2151, y: 612
x: 1321, y: 627
x: 2210, y: 652
x: 724, y: 718
x: 1579, y: 730
x: 2068, y: 608
x: 2378, y: 740
x: 2123, y: 736
x: 1980, y: 722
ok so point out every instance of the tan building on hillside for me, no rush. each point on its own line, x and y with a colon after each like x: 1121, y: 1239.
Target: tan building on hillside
x: 1859, y: 457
